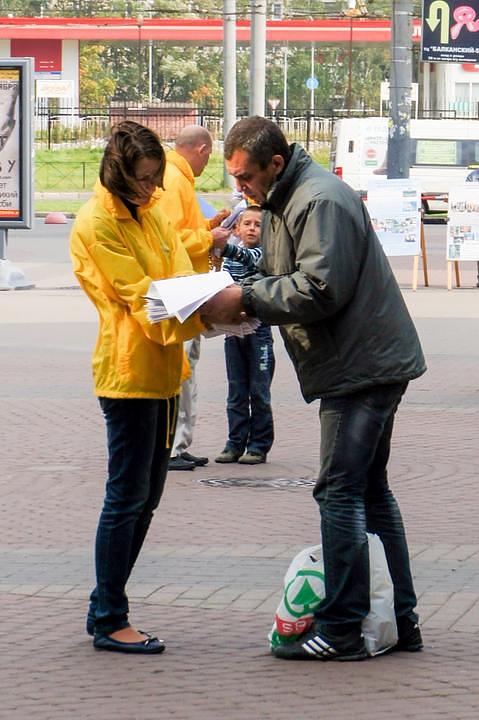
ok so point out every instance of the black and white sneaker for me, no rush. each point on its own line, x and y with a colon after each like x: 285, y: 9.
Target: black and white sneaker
x: 197, y: 460
x: 313, y: 645
x: 409, y: 635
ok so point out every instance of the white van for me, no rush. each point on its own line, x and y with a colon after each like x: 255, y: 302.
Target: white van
x: 441, y: 152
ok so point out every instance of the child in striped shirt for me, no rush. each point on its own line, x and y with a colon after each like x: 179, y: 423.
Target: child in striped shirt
x: 249, y: 360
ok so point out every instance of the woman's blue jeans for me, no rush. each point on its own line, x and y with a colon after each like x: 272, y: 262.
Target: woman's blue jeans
x: 250, y: 366
x: 139, y: 434
x: 354, y: 498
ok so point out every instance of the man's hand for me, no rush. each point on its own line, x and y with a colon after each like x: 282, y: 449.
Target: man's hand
x: 225, y: 308
x: 219, y: 217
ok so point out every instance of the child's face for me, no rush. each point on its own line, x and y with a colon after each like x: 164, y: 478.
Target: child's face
x: 248, y: 228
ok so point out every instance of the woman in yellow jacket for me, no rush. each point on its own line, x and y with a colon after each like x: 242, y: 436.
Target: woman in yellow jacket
x: 120, y: 242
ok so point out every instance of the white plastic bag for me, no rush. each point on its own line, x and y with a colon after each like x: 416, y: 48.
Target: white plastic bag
x: 379, y: 625
x: 304, y: 591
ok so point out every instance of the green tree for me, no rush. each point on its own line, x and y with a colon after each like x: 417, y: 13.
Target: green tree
x: 20, y: 8
x: 96, y: 86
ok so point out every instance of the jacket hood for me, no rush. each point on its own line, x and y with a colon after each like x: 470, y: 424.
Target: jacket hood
x: 182, y: 164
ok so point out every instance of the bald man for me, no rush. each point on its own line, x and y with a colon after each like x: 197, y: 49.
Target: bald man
x: 178, y: 200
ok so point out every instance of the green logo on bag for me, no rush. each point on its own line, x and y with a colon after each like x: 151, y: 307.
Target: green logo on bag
x: 306, y: 598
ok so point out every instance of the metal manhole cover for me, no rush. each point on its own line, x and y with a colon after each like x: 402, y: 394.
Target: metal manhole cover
x: 275, y: 483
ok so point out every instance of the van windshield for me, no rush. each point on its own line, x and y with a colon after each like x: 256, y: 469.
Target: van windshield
x: 445, y: 152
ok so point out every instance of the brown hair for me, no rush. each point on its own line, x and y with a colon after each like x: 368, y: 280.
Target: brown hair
x: 260, y: 138
x: 254, y: 208
x: 129, y: 143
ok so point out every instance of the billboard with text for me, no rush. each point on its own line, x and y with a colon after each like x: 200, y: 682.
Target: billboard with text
x: 450, y: 31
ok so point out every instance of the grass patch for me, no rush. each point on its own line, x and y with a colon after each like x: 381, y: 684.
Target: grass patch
x: 65, y: 206
x: 69, y: 155
x: 76, y: 169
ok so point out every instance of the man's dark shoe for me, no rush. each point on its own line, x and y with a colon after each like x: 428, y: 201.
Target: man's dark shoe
x: 314, y: 645
x: 228, y: 456
x: 252, y: 458
x: 177, y: 463
x: 198, y: 461
x: 409, y: 635
x: 149, y: 646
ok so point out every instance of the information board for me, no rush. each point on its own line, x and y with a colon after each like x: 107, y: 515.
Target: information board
x: 16, y: 143
x: 463, y: 222
x: 395, y: 210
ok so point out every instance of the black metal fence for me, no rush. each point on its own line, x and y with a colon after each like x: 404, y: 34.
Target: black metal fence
x: 66, y: 127
x: 90, y: 126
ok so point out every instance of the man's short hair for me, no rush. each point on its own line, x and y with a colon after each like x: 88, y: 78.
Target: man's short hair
x: 260, y: 138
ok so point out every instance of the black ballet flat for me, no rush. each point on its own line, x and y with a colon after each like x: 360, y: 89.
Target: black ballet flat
x: 149, y: 646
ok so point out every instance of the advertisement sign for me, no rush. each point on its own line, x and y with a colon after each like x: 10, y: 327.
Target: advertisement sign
x: 395, y: 210
x: 46, y: 54
x: 463, y: 223
x: 54, y: 88
x: 373, y: 146
x: 450, y: 31
x: 16, y: 122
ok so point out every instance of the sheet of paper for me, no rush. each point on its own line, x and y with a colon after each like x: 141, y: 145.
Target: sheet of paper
x: 179, y: 297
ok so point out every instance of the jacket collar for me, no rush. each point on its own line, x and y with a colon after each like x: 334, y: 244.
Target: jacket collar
x: 182, y: 164
x: 283, y: 187
x: 115, y: 206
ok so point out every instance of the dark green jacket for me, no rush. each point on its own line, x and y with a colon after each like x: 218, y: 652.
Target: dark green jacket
x: 325, y: 280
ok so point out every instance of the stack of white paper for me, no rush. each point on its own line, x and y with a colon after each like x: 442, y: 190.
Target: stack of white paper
x: 179, y: 297
x: 247, y: 327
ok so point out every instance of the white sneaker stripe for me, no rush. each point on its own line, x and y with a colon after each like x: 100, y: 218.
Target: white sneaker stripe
x: 319, y: 646
x: 326, y: 646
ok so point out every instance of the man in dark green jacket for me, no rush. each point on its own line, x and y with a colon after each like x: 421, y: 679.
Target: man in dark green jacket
x: 325, y: 280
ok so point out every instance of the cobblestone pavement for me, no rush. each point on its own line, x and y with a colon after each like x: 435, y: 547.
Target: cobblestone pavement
x: 209, y: 577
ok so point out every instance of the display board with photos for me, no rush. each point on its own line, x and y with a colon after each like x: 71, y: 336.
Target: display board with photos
x: 463, y: 223
x: 395, y: 210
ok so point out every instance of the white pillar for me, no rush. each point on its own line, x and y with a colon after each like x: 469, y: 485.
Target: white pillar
x: 258, y: 57
x: 229, y: 72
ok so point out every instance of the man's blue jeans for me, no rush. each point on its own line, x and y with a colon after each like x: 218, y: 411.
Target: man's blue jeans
x: 139, y: 434
x: 250, y: 366
x: 354, y: 498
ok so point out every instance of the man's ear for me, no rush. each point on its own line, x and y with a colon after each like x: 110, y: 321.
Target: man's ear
x: 278, y: 164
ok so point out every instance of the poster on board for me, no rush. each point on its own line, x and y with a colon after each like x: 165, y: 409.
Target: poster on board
x: 463, y: 222
x: 395, y: 210
x: 449, y: 31
x: 15, y: 143
x: 9, y: 143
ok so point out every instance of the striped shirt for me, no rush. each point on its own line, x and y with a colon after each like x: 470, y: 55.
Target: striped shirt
x: 240, y: 261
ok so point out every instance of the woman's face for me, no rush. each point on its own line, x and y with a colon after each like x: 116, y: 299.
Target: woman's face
x: 147, y: 172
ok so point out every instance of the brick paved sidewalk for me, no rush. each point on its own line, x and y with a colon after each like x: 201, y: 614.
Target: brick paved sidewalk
x: 209, y: 577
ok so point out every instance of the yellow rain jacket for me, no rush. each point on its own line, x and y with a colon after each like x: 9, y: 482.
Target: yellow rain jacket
x: 179, y: 203
x: 115, y: 258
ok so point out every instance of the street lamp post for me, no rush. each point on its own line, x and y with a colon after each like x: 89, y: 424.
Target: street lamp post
x: 356, y: 8
x: 150, y: 71
x: 350, y: 67
x: 139, y: 22
x: 313, y: 81
x: 285, y: 80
